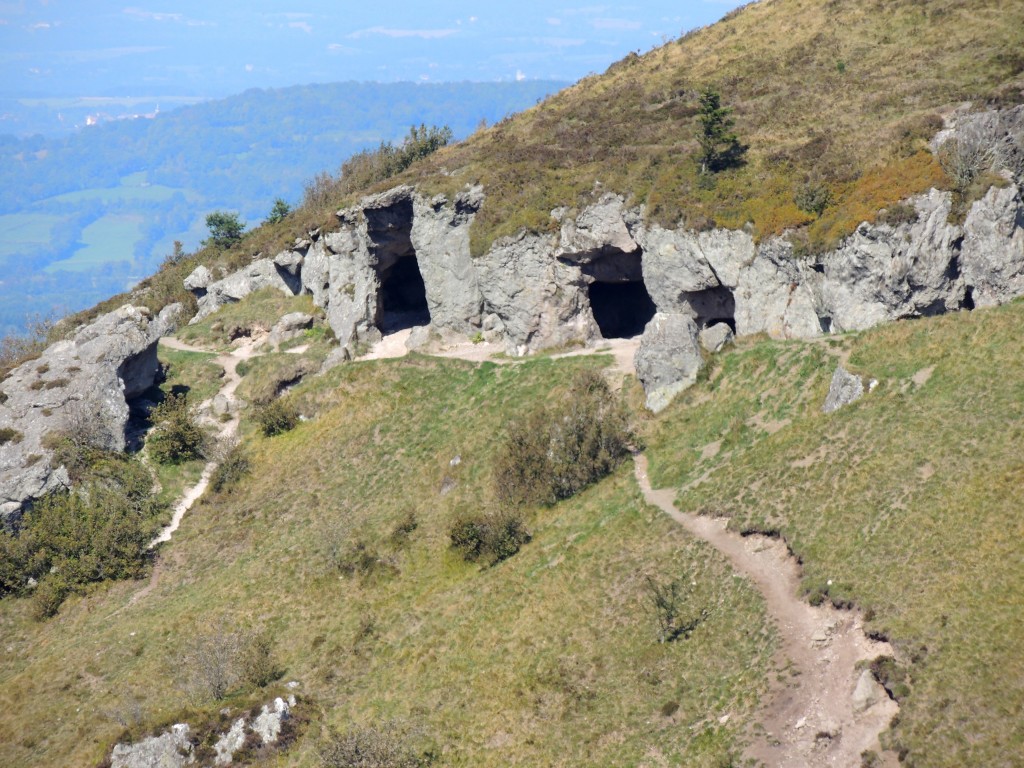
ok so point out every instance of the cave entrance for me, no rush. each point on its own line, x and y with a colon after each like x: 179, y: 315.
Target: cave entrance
x: 712, y: 306
x: 618, y: 297
x: 402, y: 298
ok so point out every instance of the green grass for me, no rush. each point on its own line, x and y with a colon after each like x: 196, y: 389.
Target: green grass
x: 550, y: 658
x: 108, y: 239
x: 257, y: 312
x: 908, y: 501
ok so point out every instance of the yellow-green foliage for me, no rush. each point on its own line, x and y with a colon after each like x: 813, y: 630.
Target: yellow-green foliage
x: 549, y: 658
x: 905, y: 503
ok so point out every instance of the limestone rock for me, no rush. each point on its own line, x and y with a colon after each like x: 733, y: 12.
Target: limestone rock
x: 773, y: 295
x: 599, y: 228
x: 290, y: 262
x: 262, y: 273
x: 230, y: 742
x: 198, y: 280
x: 290, y: 326
x: 668, y: 359
x: 169, y: 750
x: 716, y: 336
x: 845, y: 389
x: 268, y: 723
x: 867, y: 693
x: 992, y: 258
x: 82, y: 385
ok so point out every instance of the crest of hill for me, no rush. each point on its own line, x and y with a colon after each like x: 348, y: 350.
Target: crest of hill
x: 841, y: 94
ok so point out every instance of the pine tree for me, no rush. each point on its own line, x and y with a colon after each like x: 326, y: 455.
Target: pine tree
x: 719, y: 146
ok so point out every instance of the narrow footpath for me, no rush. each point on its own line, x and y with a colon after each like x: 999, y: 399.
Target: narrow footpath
x: 821, y: 713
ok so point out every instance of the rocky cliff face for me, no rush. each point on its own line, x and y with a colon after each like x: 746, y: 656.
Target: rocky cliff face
x: 81, y: 385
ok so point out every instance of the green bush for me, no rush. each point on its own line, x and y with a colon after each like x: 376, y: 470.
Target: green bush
x: 276, y: 417
x: 231, y: 470
x: 176, y: 436
x: 383, y: 746
x: 9, y: 435
x: 555, y: 452
x: 813, y: 198
x: 492, y: 536
x: 671, y: 604
x: 278, y: 213
x: 225, y: 229
x: 257, y: 662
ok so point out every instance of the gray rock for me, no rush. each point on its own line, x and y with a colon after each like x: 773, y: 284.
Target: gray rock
x: 169, y: 750
x: 600, y: 228
x: 716, y: 336
x: 867, y: 693
x: 81, y: 385
x: 440, y: 236
x: 290, y: 326
x: 262, y: 273
x: 198, y: 280
x: 773, y: 295
x: 268, y: 723
x: 290, y: 261
x: 992, y: 257
x: 845, y: 389
x: 229, y: 743
x: 668, y: 359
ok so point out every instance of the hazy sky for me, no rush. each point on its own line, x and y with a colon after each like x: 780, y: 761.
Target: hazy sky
x: 136, y: 47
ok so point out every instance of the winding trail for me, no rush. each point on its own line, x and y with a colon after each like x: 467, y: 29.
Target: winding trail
x: 809, y: 718
x: 225, y: 430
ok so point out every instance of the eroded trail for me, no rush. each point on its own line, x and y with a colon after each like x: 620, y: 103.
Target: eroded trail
x: 226, y: 430
x: 821, y: 713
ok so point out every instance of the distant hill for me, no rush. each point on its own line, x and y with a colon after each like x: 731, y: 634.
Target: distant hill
x: 84, y: 216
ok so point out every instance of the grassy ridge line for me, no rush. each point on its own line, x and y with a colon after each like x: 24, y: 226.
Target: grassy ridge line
x: 907, y: 502
x: 550, y: 658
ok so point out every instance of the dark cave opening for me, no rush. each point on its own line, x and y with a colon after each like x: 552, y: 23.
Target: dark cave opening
x: 402, y: 299
x: 618, y: 297
x: 713, y: 305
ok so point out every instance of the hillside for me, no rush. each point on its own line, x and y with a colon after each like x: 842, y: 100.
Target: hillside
x: 533, y: 464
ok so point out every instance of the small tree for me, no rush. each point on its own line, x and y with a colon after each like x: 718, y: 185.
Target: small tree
x: 176, y: 438
x: 720, y: 148
x: 669, y: 603
x: 279, y: 211
x: 225, y: 229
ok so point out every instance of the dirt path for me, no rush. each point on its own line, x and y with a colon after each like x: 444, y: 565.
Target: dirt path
x: 226, y: 430
x: 809, y: 718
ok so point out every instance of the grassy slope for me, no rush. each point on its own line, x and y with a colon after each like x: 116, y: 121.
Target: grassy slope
x: 909, y: 501
x: 548, y: 659
x: 842, y: 93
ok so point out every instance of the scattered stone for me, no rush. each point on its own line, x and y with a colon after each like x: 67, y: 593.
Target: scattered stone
x: 290, y: 326
x: 716, y: 336
x: 169, y: 750
x: 845, y: 389
x: 198, y: 280
x: 230, y: 742
x: 867, y: 693
x: 800, y: 723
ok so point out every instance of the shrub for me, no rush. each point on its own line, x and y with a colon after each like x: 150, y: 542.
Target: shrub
x: 555, y: 452
x: 361, y: 559
x: 176, y: 436
x: 9, y: 435
x: 898, y: 213
x: 387, y: 745
x: 48, y: 596
x: 403, y: 529
x: 234, y: 466
x: 278, y: 213
x: 276, y: 417
x: 670, y: 605
x: 813, y: 197
x: 257, y: 663
x: 493, y: 536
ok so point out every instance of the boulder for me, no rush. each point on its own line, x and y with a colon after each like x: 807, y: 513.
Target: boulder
x: 716, y: 336
x: 229, y: 743
x: 867, y: 692
x: 845, y: 389
x: 262, y: 273
x: 267, y: 724
x: 290, y: 262
x: 168, y: 750
x: 600, y: 228
x: 290, y: 326
x: 80, y: 385
x: 668, y: 359
x: 198, y: 280
x: 992, y: 255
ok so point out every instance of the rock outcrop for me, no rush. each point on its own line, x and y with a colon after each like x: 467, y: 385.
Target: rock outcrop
x: 668, y: 359
x: 262, y: 273
x: 845, y: 388
x: 171, y: 749
x: 81, y: 385
x: 399, y: 259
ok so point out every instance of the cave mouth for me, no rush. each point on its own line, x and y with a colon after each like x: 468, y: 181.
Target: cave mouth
x: 618, y: 297
x: 403, y: 296
x: 712, y: 306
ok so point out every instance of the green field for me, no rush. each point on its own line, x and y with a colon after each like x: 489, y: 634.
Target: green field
x: 111, y: 238
x: 24, y: 232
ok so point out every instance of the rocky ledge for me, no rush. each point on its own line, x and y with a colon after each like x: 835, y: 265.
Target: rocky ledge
x: 81, y: 385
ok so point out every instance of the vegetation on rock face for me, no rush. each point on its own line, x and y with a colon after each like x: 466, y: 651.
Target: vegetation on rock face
x: 176, y: 436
